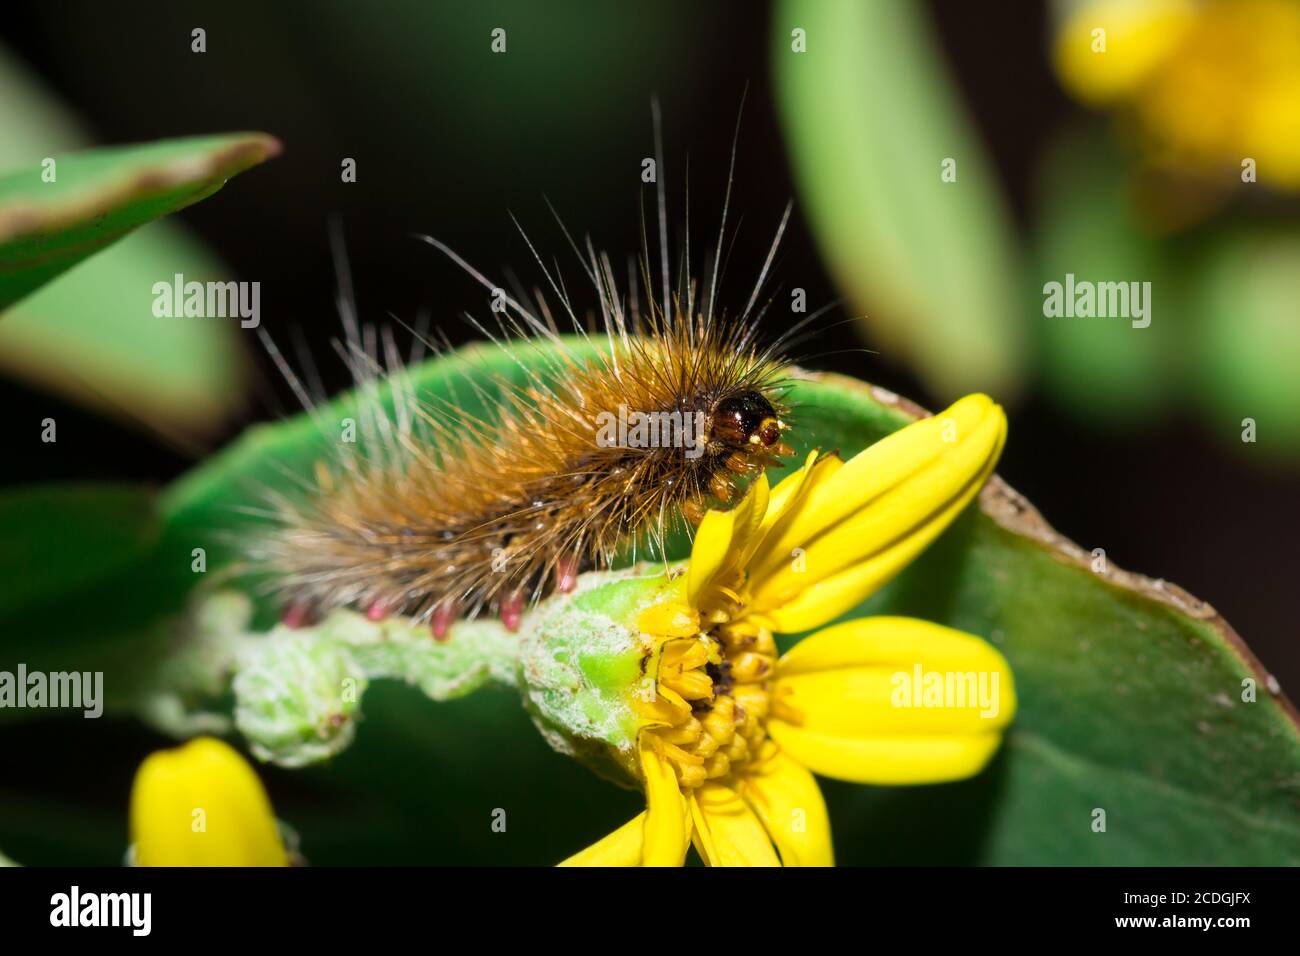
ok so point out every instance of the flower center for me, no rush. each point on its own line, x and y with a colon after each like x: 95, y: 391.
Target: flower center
x: 713, y: 694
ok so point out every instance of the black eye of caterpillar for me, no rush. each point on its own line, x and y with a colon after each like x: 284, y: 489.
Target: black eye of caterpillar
x: 746, y: 418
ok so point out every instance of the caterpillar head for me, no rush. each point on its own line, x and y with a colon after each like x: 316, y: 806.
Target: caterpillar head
x: 744, y: 437
x: 745, y: 421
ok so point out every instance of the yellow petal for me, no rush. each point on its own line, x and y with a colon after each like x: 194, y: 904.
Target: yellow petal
x: 887, y: 761
x: 666, y: 834
x: 884, y: 506
x: 827, y: 598
x: 824, y: 601
x: 201, y: 804
x: 710, y: 551
x: 787, y: 504
x: 751, y: 511
x: 1138, y: 39
x: 784, y: 498
x: 885, y: 464
x: 892, y: 700
x: 620, y: 848
x: 727, y: 833
x: 788, y: 490
x: 723, y: 538
x: 789, y: 803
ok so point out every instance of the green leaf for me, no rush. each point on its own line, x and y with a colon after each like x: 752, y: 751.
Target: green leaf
x: 54, y: 215
x: 1130, y: 691
x: 870, y: 115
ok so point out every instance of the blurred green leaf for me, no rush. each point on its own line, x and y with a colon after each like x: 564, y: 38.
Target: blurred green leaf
x: 91, y: 336
x: 81, y: 588
x: 1246, y: 297
x: 35, y: 121
x: 1131, y: 697
x: 870, y: 115
x: 60, y: 537
x: 1102, y: 368
x: 54, y: 215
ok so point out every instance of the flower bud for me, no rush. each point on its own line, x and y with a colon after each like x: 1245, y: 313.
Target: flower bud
x: 586, y: 669
x: 297, y: 697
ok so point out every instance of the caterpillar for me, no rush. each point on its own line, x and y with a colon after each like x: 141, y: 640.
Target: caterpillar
x: 448, y: 514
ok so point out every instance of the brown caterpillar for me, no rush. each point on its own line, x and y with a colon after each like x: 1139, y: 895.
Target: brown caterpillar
x: 454, y: 514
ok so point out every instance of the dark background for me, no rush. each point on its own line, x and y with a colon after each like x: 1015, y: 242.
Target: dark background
x: 449, y: 140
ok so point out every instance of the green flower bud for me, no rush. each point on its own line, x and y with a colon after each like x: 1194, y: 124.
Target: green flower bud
x: 583, y: 666
x: 297, y: 697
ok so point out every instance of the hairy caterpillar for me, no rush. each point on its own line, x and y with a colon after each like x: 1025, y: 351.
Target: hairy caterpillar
x: 447, y: 514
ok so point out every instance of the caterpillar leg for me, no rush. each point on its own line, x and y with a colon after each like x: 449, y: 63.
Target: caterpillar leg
x: 566, y: 575
x: 296, y: 615
x: 512, y: 610
x: 440, y: 623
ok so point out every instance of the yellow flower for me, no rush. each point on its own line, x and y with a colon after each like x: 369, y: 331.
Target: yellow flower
x: 201, y: 804
x: 1210, y: 83
x: 729, y: 740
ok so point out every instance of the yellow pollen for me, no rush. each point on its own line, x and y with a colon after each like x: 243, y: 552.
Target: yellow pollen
x: 718, y: 688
